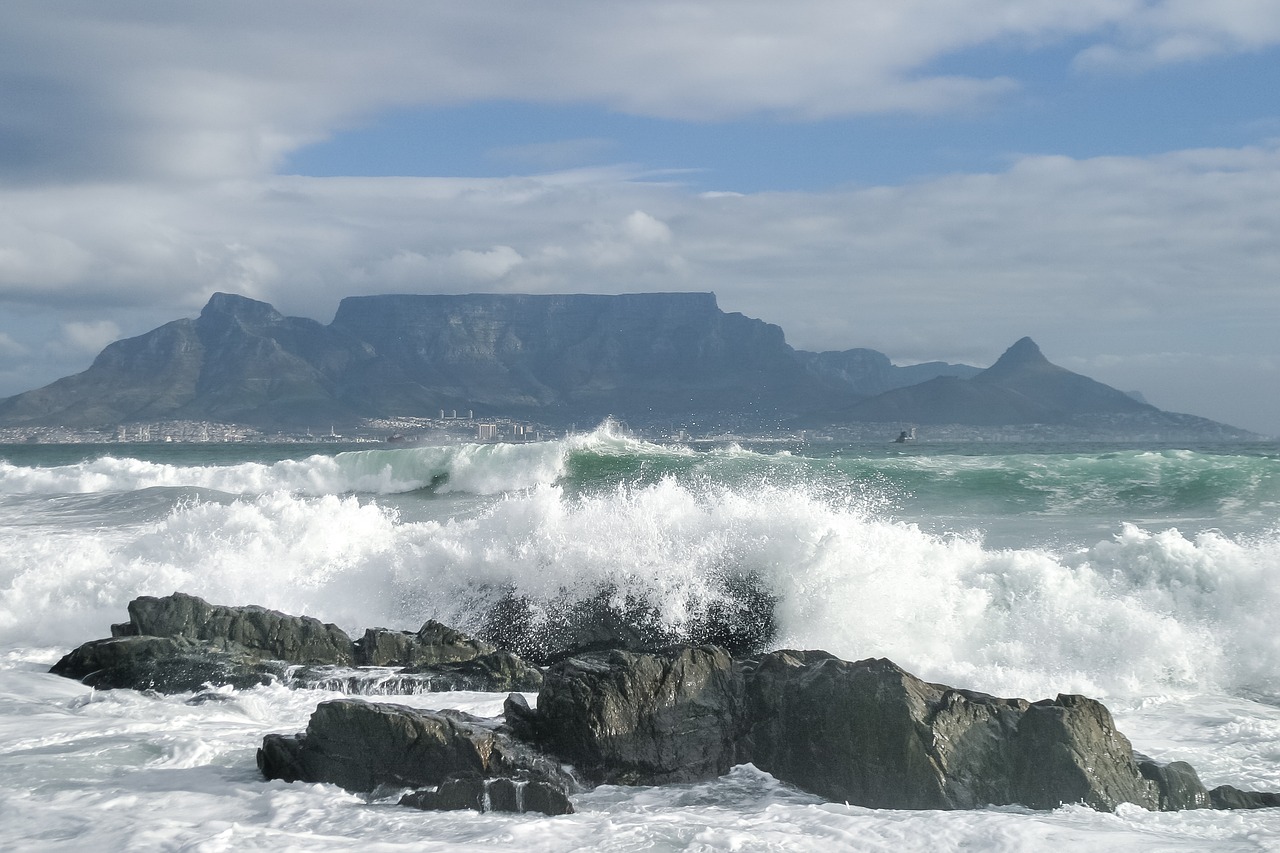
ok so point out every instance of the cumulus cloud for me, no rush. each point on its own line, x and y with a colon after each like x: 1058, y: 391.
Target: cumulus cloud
x: 1109, y: 254
x: 90, y: 337
x: 228, y: 89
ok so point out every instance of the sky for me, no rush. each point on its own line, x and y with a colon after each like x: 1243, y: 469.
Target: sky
x: 934, y: 179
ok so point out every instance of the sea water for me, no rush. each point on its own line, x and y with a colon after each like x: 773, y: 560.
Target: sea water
x: 1144, y: 576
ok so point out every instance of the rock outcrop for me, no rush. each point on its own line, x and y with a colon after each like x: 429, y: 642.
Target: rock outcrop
x: 365, y: 746
x: 180, y: 643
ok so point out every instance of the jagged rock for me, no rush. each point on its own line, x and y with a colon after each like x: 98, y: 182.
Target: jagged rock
x: 362, y: 746
x: 1178, y: 784
x: 491, y: 795
x: 641, y: 718
x: 162, y: 664
x: 267, y: 634
x: 870, y: 733
x: 863, y: 732
x: 433, y: 643
x: 1231, y: 797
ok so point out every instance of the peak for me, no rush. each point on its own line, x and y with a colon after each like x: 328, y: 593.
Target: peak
x: 241, y: 308
x: 1022, y: 353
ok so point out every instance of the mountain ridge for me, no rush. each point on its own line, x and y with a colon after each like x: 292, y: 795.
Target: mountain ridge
x: 647, y: 357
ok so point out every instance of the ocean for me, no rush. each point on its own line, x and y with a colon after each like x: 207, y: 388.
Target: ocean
x: 1145, y: 576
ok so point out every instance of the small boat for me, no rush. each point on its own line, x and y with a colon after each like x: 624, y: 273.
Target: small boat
x: 905, y: 436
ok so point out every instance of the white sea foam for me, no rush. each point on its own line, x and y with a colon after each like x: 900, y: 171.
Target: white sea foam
x: 1142, y: 612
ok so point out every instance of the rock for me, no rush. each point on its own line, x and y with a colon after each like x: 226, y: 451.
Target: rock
x: 163, y: 664
x: 362, y: 746
x: 872, y: 734
x: 1178, y: 784
x: 1231, y: 797
x: 432, y: 644
x: 267, y: 634
x: 497, y: 672
x: 863, y: 732
x: 491, y: 795
x: 640, y: 718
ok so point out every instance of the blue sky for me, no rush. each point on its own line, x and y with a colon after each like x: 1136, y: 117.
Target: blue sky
x: 931, y: 178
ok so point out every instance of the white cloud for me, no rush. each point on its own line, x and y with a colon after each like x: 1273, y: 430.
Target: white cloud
x: 90, y: 336
x: 1114, y: 254
x: 227, y: 89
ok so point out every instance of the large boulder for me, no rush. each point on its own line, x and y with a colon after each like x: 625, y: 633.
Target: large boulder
x: 640, y: 718
x: 864, y: 732
x: 872, y: 734
x: 266, y: 634
x: 364, y: 746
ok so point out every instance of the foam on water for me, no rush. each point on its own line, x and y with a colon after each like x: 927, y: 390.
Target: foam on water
x: 1172, y: 626
x: 1143, y: 611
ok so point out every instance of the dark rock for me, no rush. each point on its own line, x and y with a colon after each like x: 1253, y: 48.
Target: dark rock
x: 163, y: 664
x: 124, y: 629
x: 641, y: 718
x: 1178, y: 784
x: 267, y: 634
x: 433, y: 643
x: 491, y: 795
x: 1231, y: 797
x: 466, y: 792
x: 870, y: 733
x: 497, y: 672
x: 362, y: 746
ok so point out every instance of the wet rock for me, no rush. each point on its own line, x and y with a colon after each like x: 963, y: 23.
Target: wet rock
x: 639, y: 718
x: 362, y: 746
x: 162, y: 664
x: 497, y: 672
x: 266, y: 634
x: 1178, y: 784
x: 491, y: 795
x: 431, y: 644
x: 1231, y: 797
x: 870, y: 733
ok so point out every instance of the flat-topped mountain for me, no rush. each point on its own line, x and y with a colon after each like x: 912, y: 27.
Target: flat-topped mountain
x: 646, y: 357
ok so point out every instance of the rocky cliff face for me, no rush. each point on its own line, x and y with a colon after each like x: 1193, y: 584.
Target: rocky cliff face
x: 556, y: 358
x: 646, y: 357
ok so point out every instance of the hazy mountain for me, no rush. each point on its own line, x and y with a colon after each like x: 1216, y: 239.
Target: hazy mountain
x: 1024, y: 387
x: 648, y: 357
x: 868, y: 372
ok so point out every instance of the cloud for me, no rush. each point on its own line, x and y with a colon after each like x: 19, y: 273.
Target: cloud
x: 154, y: 89
x: 90, y: 337
x: 554, y: 155
x: 1110, y: 254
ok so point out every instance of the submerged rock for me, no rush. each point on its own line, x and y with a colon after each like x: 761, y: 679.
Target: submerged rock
x: 491, y: 795
x: 363, y: 746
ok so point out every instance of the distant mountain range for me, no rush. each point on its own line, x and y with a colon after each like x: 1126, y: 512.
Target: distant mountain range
x: 647, y: 358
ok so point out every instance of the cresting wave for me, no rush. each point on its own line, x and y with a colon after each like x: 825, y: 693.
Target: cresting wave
x: 1140, y: 613
x: 481, y: 469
